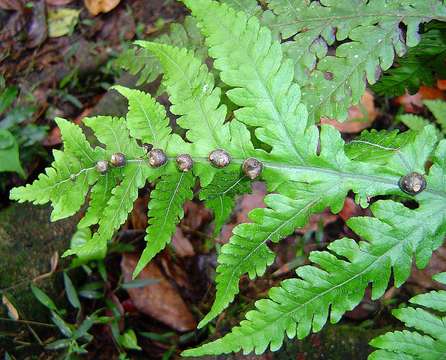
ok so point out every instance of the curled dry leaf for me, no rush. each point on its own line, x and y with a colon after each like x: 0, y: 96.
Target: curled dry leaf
x: 161, y: 300
x: 12, y: 311
x: 441, y: 84
x: 195, y: 215
x: 414, y: 103
x: 181, y: 244
x: 360, y: 116
x: 96, y: 7
x: 351, y: 209
x: 54, y: 262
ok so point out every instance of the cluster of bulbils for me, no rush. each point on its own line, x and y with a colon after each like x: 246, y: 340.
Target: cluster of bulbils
x: 412, y: 184
x: 219, y: 158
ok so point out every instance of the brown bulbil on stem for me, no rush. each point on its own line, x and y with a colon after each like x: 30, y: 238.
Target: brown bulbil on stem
x: 157, y: 158
x: 118, y: 159
x: 219, y: 158
x: 412, y: 183
x: 184, y: 162
x: 102, y: 166
x: 252, y: 168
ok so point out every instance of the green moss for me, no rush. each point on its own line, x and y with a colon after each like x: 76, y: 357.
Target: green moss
x: 27, y: 241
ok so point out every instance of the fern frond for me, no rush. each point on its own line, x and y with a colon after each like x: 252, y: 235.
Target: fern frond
x: 247, y: 251
x: 429, y: 339
x: 421, y: 65
x: 65, y: 184
x: 193, y: 95
x: 393, y: 237
x: 146, y: 118
x: 333, y: 83
x: 253, y: 68
x: 196, y: 99
x: 251, y: 62
x: 142, y: 62
x: 165, y: 212
x: 113, y: 133
x: 115, y: 213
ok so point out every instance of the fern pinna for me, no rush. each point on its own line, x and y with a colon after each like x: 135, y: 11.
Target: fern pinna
x: 411, y: 345
x: 306, y: 168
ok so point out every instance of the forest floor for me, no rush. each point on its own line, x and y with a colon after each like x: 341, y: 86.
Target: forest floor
x: 57, y: 59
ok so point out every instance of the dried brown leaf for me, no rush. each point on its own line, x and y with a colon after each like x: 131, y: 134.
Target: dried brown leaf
x: 161, y: 300
x: 414, y: 103
x: 181, y: 244
x: 12, y: 311
x: 11, y: 5
x: 360, y: 116
x: 96, y: 7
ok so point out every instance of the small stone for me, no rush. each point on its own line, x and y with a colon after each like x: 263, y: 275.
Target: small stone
x: 413, y: 183
x: 118, y: 159
x: 157, y: 158
x: 219, y: 158
x: 184, y: 162
x: 102, y: 166
x: 252, y: 168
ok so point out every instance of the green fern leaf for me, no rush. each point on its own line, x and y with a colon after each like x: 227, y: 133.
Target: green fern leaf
x: 186, y: 75
x: 413, y: 122
x: 420, y: 66
x: 65, y: 184
x: 142, y: 62
x: 115, y: 212
x: 252, y: 63
x: 196, y: 99
x: 428, y: 342
x: 99, y: 196
x: 417, y: 123
x: 378, y: 146
x: 438, y: 109
x: 165, y: 211
x: 247, y: 251
x: 113, y: 133
x: 277, y: 113
x: 394, y: 236
x: 333, y: 83
x: 146, y: 118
